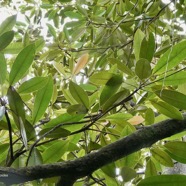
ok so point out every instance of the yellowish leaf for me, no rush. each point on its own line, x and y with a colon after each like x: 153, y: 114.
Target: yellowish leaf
x: 82, y: 61
x: 136, y: 120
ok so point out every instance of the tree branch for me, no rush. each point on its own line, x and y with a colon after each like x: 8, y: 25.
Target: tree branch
x: 86, y: 165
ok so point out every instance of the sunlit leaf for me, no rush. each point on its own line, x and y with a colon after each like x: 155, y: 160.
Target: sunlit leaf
x: 172, y: 97
x: 82, y: 61
x: 6, y: 39
x: 164, y: 180
x: 8, y: 24
x: 3, y: 69
x: 162, y: 157
x: 79, y: 94
x: 22, y: 63
x: 42, y: 100
x: 177, y: 148
x: 55, y: 151
x: 2, y: 112
x: 167, y: 109
x: 32, y: 85
x: 171, y: 58
x: 100, y: 78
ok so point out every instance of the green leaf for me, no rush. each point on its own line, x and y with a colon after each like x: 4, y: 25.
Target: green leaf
x: 175, y: 79
x: 171, y: 58
x: 138, y: 38
x: 7, y: 24
x: 64, y: 118
x: 42, y: 100
x: 58, y: 133
x: 55, y: 151
x: 32, y: 85
x: 167, y: 109
x: 22, y: 63
x: 143, y: 69
x: 115, y: 99
x: 6, y: 39
x: 100, y: 78
x: 109, y: 170
x: 110, y: 88
x: 17, y: 106
x: 127, y: 174
x: 150, y: 169
x: 35, y: 158
x: 149, y: 116
x: 77, y: 109
x: 13, y: 48
x: 177, y: 148
x: 164, y: 180
x: 3, y: 69
x: 172, y: 97
x: 147, y: 48
x: 79, y: 94
x: 162, y: 157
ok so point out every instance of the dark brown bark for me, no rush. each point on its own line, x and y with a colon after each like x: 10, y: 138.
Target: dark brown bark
x: 86, y: 165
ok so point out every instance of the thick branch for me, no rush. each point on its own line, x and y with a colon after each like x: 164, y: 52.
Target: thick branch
x: 84, y: 166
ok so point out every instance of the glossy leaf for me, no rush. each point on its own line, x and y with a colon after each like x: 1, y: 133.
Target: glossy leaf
x: 55, y: 151
x: 162, y: 157
x: 8, y: 24
x: 42, y: 100
x: 82, y: 61
x: 22, y: 63
x: 32, y: 85
x: 79, y: 94
x: 6, y: 39
x: 167, y: 109
x: 172, y: 97
x: 164, y: 180
x: 3, y: 69
x: 143, y: 69
x: 171, y: 58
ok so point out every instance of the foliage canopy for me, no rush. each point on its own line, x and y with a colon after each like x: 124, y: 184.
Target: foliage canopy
x: 76, y: 76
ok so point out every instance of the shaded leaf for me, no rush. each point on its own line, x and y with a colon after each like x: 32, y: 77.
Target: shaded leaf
x: 22, y: 63
x: 150, y: 169
x: 6, y: 39
x: 2, y: 112
x: 35, y: 158
x: 127, y: 173
x: 143, y: 68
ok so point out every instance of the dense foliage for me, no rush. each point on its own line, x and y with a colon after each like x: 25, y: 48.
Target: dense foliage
x: 78, y: 75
